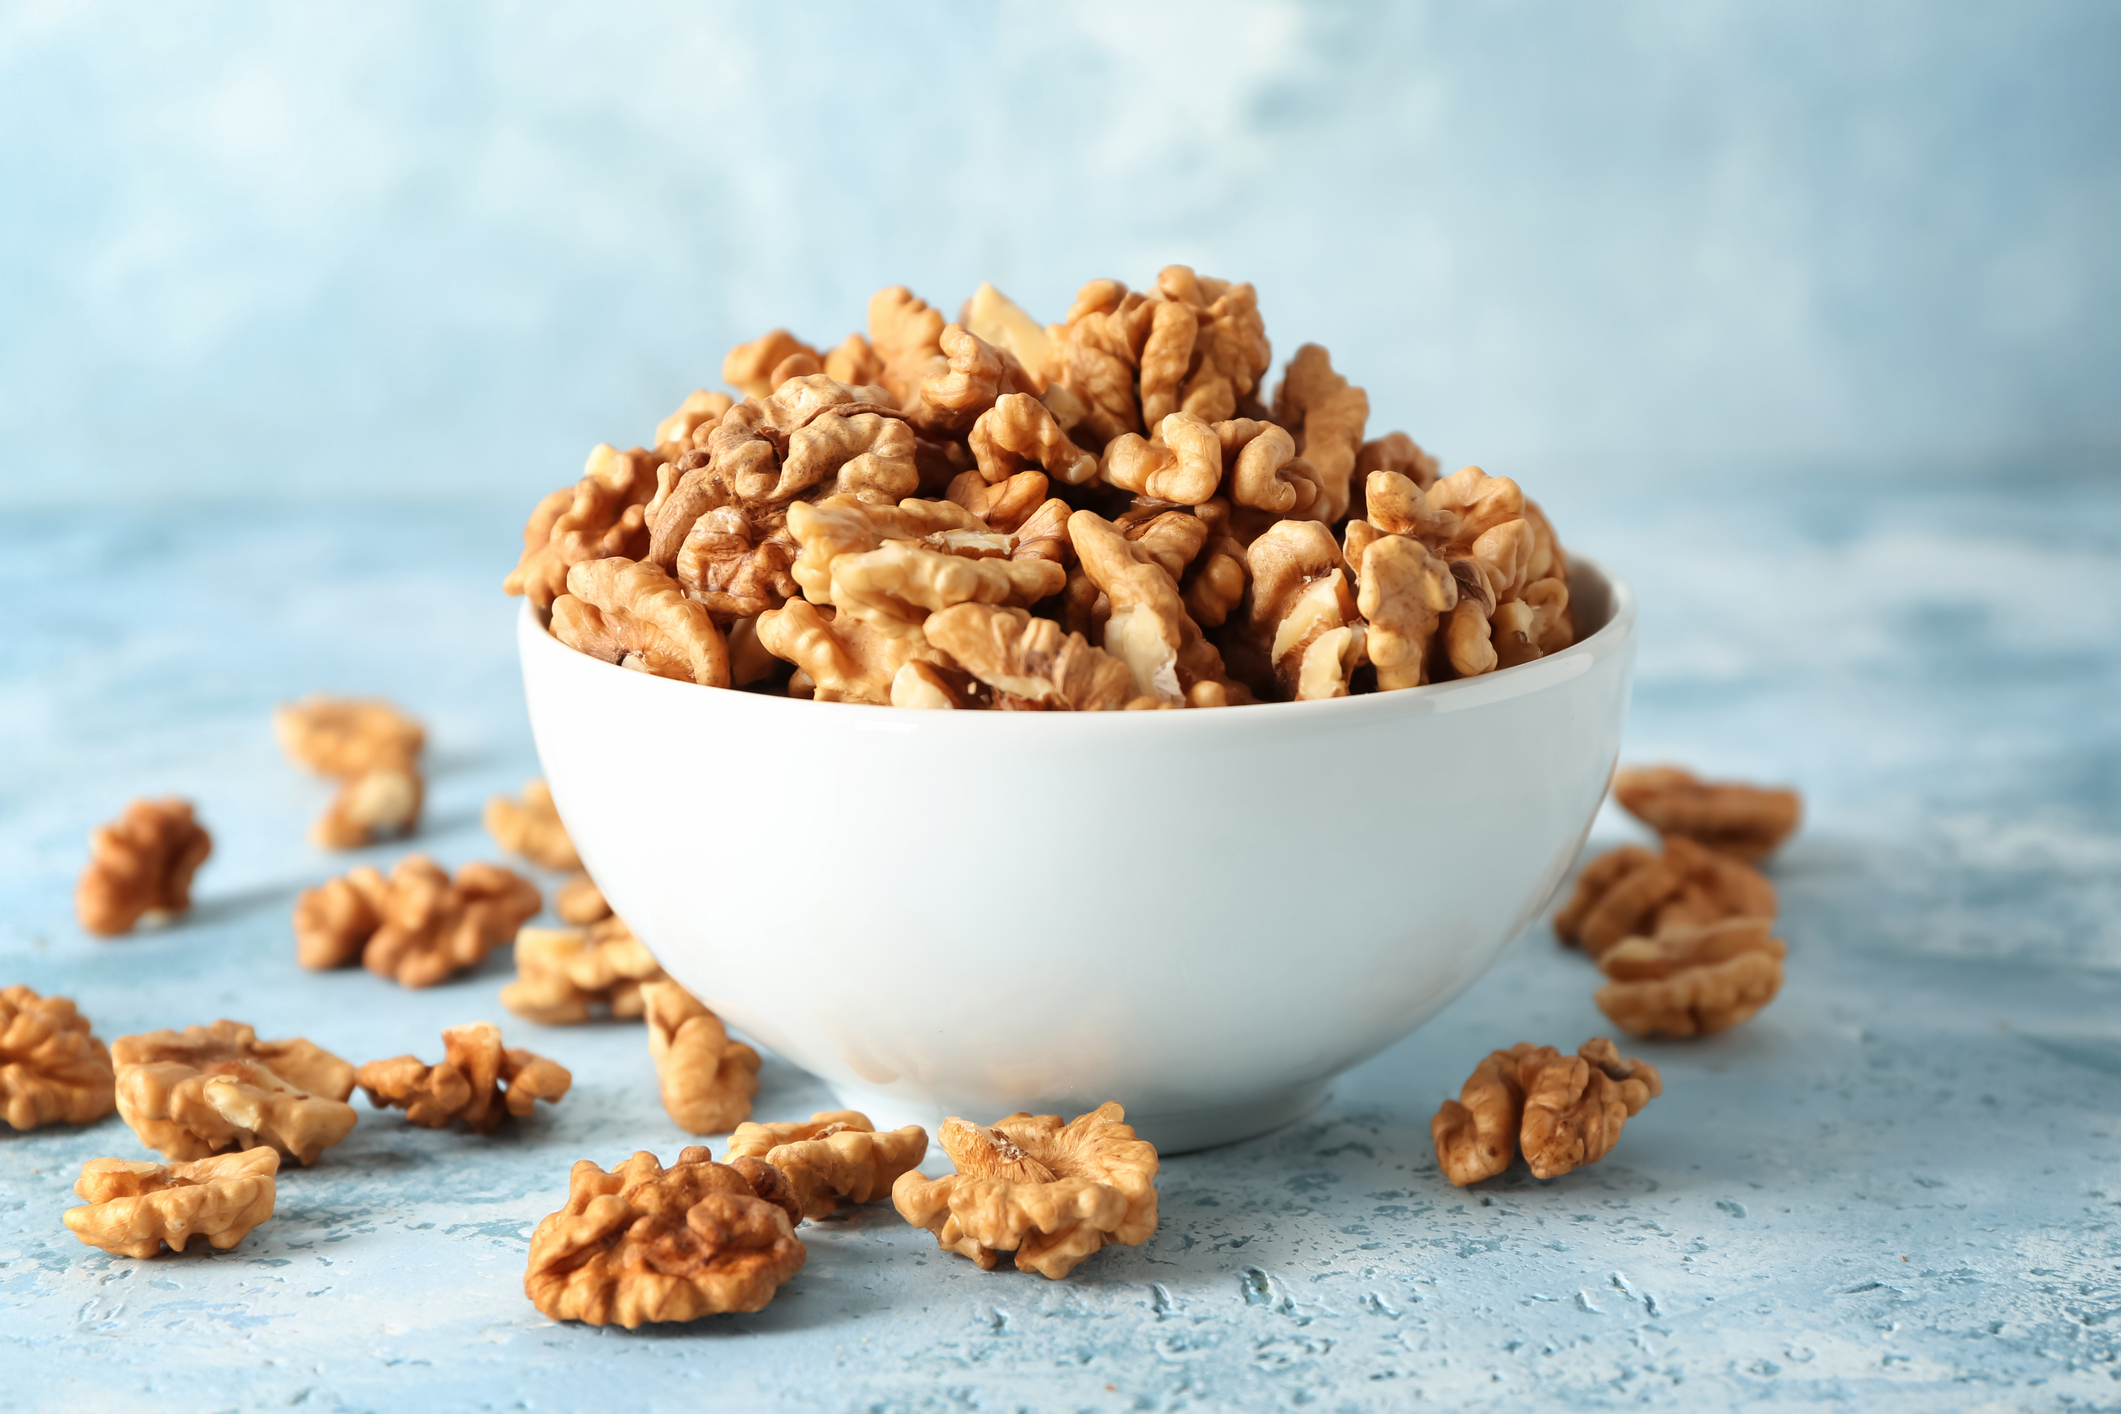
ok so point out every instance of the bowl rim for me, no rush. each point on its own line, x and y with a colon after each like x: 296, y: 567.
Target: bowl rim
x: 1458, y: 694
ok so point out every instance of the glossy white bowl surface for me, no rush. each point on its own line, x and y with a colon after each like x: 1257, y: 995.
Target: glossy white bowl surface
x: 1205, y: 915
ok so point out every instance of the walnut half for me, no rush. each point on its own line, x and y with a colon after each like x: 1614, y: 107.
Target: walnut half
x: 1562, y: 1111
x: 140, y: 866
x: 707, y: 1079
x: 208, y: 1089
x: 478, y: 1081
x: 52, y: 1070
x: 133, y: 1207
x: 834, y: 1156
x: 1692, y: 981
x: 1745, y: 822
x: 1052, y: 1193
x: 642, y: 1243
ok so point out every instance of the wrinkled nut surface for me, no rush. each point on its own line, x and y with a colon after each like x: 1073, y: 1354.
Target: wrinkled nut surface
x: 707, y: 1079
x: 580, y: 901
x: 1745, y: 822
x: 479, y: 1082
x: 636, y: 616
x: 1030, y: 659
x: 531, y: 828
x: 603, y: 514
x: 419, y: 926
x: 1631, y: 892
x: 208, y: 1089
x: 346, y: 736
x: 835, y: 1156
x: 1052, y: 1193
x: 1562, y: 1111
x: 644, y: 1243
x: 133, y: 1208
x: 1692, y: 981
x: 52, y: 1069
x: 380, y: 803
x: 140, y: 866
x: 565, y: 976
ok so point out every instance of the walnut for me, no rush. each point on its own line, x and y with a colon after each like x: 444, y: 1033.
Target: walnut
x: 1149, y: 629
x: 634, y: 615
x: 1742, y: 821
x: 1051, y: 1193
x: 532, y: 828
x: 52, y: 1070
x: 907, y: 335
x: 1303, y: 634
x: 1230, y: 353
x: 1480, y: 502
x: 846, y: 659
x: 707, y: 1079
x: 477, y: 1082
x: 1018, y: 430
x: 208, y: 1089
x: 1265, y: 472
x: 1001, y: 322
x: 1563, y: 1111
x: 854, y: 363
x: 1692, y: 981
x: 1165, y: 355
x: 674, y: 434
x: 1031, y: 659
x: 834, y: 1156
x: 563, y: 975
x: 1183, y: 465
x: 1405, y: 590
x: 750, y: 368
x: 1327, y: 414
x: 1631, y: 892
x: 140, y: 867
x: 132, y: 1208
x: 736, y: 561
x: 580, y: 901
x: 377, y: 804
x: 1400, y: 454
x: 345, y: 737
x: 977, y: 374
x: 642, y: 1243
x: 419, y: 927
x: 605, y: 516
x: 894, y: 587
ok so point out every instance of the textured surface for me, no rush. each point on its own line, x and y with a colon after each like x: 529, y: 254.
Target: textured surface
x: 1898, y: 1188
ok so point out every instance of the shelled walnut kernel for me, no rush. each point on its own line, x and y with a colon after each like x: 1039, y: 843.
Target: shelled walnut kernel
x: 132, y: 1208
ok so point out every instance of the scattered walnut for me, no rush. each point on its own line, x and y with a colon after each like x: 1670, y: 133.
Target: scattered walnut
x: 532, y: 828
x: 735, y: 561
x: 1631, y: 892
x: 52, y: 1070
x: 1692, y: 981
x: 1398, y: 453
x: 907, y: 335
x: 1001, y: 322
x: 1031, y: 659
x: 977, y: 373
x: 1742, y: 821
x: 345, y: 737
x: 1304, y: 635
x: 580, y: 901
x: 565, y: 975
x: 477, y: 1082
x: 633, y: 614
x: 604, y: 515
x: 140, y: 867
x: 642, y: 1243
x: 377, y: 804
x: 418, y: 927
x: 208, y: 1089
x: 1051, y: 1193
x: 834, y: 1156
x: 707, y: 1079
x: 133, y: 1207
x: 1563, y: 1111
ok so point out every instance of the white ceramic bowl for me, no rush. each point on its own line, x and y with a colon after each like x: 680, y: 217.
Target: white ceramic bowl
x: 1204, y: 915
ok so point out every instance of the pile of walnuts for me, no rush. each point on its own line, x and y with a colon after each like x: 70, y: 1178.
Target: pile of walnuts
x: 1105, y: 513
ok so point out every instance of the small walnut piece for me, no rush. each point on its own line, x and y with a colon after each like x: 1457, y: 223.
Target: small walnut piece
x: 1052, y: 1193
x: 580, y: 901
x: 478, y: 1081
x: 642, y: 1243
x: 1631, y: 892
x: 1562, y: 1111
x: 1745, y: 822
x: 377, y: 804
x: 636, y: 616
x: 564, y: 976
x: 1031, y: 659
x: 52, y: 1070
x: 419, y: 926
x: 834, y: 1156
x: 140, y: 867
x: 1692, y: 981
x: 208, y: 1089
x: 707, y: 1079
x: 531, y: 828
x: 346, y: 736
x: 133, y: 1208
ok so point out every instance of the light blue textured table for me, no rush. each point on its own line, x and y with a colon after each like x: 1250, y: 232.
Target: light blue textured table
x: 1896, y: 1189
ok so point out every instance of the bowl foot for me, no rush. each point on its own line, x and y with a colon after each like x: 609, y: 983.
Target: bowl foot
x: 1173, y: 1130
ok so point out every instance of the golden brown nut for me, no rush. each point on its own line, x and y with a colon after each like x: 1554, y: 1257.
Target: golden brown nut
x: 579, y: 901
x: 894, y: 587
x: 634, y: 615
x: 1692, y: 981
x: 749, y: 368
x: 1405, y: 591
x: 1304, y: 635
x: 345, y: 737
x: 604, y: 515
x: 1006, y: 504
x: 834, y: 1156
x: 564, y: 976
x: 1265, y: 472
x: 52, y: 1070
x: 1051, y: 1193
x: 642, y: 1243
x: 1327, y: 414
x: 1230, y: 350
x: 478, y: 1082
x: 674, y: 434
x: 1098, y: 352
x: 133, y: 1207
x: 907, y: 336
x: 1563, y: 1111
x: 846, y: 659
x: 377, y: 804
x: 419, y: 926
x: 532, y: 828
x: 1631, y: 892
x: 140, y: 866
x: 1183, y: 465
x: 208, y: 1089
x: 1019, y: 430
x: 1742, y: 821
x: 1398, y: 453
x: 707, y: 1079
x: 1031, y: 659
x: 335, y: 920
x: 735, y: 561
